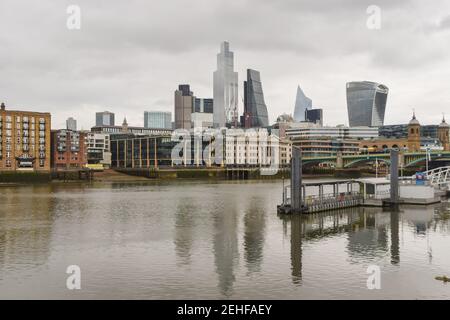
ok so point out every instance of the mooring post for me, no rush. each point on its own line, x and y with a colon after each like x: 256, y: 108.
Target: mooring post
x: 296, y: 180
x: 394, y: 177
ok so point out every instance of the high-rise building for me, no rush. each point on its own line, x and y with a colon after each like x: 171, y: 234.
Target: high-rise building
x: 71, y: 124
x: 302, y: 103
x: 366, y: 103
x: 314, y: 115
x: 158, y: 119
x: 105, y: 118
x: 24, y: 140
x: 226, y: 96
x: 255, y: 109
x: 184, y: 104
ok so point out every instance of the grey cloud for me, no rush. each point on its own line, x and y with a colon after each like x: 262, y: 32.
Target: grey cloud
x: 130, y: 56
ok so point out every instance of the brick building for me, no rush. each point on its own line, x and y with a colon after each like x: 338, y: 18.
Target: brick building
x: 24, y: 140
x: 69, y: 150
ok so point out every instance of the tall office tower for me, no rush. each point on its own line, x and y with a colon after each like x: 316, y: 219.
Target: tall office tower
x: 255, y: 109
x: 71, y: 124
x: 302, y: 103
x: 157, y: 120
x: 314, y: 115
x: 184, y: 104
x: 105, y: 118
x: 225, y: 93
x: 366, y: 103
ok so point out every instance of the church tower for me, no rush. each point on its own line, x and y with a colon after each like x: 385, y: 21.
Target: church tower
x: 414, y: 135
x: 443, y: 135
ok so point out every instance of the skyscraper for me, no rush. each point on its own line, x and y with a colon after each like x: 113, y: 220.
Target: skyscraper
x: 157, y: 120
x: 71, y: 124
x: 302, y: 103
x: 105, y: 118
x: 366, y: 103
x: 184, y: 104
x: 255, y: 109
x: 225, y: 93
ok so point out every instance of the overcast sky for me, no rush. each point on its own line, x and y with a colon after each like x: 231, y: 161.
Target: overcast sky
x: 129, y: 56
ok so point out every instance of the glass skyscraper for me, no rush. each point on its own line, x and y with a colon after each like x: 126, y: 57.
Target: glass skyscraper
x: 255, y: 109
x: 366, y: 103
x: 302, y: 103
x: 157, y: 120
x: 225, y: 93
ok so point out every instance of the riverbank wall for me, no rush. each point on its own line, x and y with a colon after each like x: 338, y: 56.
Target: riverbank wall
x: 24, y: 177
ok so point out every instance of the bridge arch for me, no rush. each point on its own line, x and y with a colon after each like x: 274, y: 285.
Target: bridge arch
x: 363, y: 160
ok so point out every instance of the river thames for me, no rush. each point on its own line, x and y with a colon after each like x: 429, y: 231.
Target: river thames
x: 212, y: 240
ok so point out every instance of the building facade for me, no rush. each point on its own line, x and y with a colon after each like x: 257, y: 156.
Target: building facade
x: 414, y: 135
x: 314, y: 116
x: 255, y: 109
x: 312, y: 131
x: 157, y: 120
x: 231, y: 148
x: 225, y: 89
x: 184, y: 104
x: 302, y: 103
x: 98, y: 149
x: 130, y: 129
x: 68, y: 149
x: 203, y: 113
x: 24, y: 140
x: 71, y: 124
x: 104, y: 118
x: 443, y: 135
x: 366, y: 103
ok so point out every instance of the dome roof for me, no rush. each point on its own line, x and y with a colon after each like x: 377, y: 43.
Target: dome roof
x: 443, y: 124
x: 414, y: 121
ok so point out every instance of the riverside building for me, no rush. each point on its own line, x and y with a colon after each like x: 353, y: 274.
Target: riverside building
x: 24, y: 140
x: 68, y: 149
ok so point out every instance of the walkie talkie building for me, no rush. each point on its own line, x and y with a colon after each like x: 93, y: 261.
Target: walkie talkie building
x: 366, y: 103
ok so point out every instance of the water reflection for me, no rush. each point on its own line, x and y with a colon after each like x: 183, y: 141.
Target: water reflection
x: 371, y: 233
x: 226, y: 252
x: 26, y: 225
x: 184, y: 224
x: 254, y: 229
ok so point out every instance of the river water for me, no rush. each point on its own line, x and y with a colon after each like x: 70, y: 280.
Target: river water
x: 212, y: 240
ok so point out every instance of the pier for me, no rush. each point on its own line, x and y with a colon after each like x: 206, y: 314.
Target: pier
x: 307, y: 198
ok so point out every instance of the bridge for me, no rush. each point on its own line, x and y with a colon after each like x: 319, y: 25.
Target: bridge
x: 406, y: 160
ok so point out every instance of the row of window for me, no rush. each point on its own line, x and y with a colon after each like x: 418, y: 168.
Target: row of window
x: 25, y: 119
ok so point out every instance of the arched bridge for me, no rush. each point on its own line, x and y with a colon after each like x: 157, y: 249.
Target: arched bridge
x: 353, y: 161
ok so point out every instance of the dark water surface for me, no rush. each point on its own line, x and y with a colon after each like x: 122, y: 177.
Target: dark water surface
x: 200, y: 240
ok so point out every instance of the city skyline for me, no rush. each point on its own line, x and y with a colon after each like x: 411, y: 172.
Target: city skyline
x: 70, y: 81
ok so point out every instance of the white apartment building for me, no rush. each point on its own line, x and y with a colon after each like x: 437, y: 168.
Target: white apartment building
x: 310, y: 131
x: 98, y: 149
x: 255, y: 148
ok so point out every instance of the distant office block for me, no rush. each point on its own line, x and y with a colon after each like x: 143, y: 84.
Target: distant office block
x: 366, y: 103
x: 105, y: 118
x: 158, y: 119
x: 71, y: 124
x: 184, y: 104
x: 204, y: 105
x: 314, y: 115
